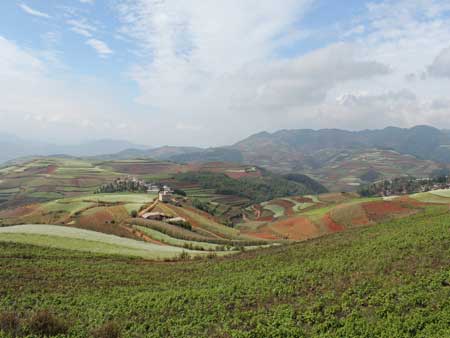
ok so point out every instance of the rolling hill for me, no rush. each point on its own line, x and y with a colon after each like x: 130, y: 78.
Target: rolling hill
x: 388, y: 280
x: 339, y: 159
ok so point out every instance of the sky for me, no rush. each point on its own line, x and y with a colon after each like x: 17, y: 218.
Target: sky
x: 210, y: 73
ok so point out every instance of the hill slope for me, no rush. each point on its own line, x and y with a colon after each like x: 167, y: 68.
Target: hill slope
x: 391, y: 280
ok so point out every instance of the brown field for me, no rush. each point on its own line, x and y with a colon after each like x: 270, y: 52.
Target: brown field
x: 296, y: 228
x: 288, y: 211
x: 331, y: 225
x: 377, y: 211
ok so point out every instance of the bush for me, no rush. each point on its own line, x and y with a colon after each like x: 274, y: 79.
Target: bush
x: 108, y: 330
x: 44, y: 323
x: 184, y: 256
x: 180, y: 192
x: 10, y: 323
x: 134, y: 214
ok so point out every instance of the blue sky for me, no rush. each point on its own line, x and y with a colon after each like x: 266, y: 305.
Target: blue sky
x: 210, y: 73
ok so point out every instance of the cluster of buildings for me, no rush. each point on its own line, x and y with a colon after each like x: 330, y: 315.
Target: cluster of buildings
x: 165, y: 193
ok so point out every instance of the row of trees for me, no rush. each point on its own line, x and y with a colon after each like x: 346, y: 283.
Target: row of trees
x: 123, y: 185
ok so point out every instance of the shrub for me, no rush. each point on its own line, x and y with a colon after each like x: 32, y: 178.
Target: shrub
x: 10, y: 323
x: 180, y: 192
x: 44, y: 323
x: 134, y: 214
x: 108, y: 330
x: 184, y: 256
x: 211, y: 255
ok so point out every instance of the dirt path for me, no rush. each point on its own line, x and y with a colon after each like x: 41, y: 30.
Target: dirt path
x: 150, y: 208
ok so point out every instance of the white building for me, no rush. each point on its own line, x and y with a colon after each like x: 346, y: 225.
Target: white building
x: 165, y: 196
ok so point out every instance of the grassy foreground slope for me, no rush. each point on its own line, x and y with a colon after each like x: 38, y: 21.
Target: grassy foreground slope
x: 390, y: 280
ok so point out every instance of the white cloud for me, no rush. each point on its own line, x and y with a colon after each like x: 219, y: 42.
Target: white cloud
x: 82, y: 27
x: 441, y: 64
x: 37, y: 101
x: 218, y: 70
x: 100, y: 47
x: 87, y: 1
x: 217, y: 62
x: 31, y: 11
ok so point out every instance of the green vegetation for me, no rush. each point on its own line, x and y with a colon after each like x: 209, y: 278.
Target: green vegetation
x: 255, y: 189
x: 123, y: 185
x: 390, y: 280
x: 84, y: 240
x: 277, y: 210
x: 177, y: 242
x: 307, y: 182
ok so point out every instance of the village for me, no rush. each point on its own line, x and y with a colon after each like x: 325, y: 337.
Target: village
x: 406, y: 186
x: 165, y: 194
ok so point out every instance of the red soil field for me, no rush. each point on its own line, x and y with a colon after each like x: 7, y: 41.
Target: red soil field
x: 288, y: 211
x: 384, y: 209
x: 51, y: 169
x: 331, y: 225
x: 262, y: 235
x: 297, y: 228
x: 302, y: 199
x: 238, y: 175
x: 20, y: 211
x: 410, y: 202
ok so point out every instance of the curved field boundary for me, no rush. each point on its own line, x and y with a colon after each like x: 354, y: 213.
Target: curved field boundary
x: 166, y: 239
x: 427, y: 197
x: 276, y: 209
x: 84, y: 240
x: 442, y: 193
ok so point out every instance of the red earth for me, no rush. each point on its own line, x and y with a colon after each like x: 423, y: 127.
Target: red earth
x: 296, y: 228
x: 288, y: 211
x: 331, y: 225
x: 380, y: 210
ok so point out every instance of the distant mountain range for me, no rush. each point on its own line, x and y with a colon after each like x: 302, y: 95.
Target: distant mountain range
x: 13, y: 147
x: 327, y: 154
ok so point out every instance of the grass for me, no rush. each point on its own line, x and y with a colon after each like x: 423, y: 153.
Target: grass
x: 84, y: 240
x: 429, y: 197
x: 156, y: 235
x: 390, y: 280
x: 133, y: 198
x: 277, y: 210
x: 299, y: 206
x: 443, y: 193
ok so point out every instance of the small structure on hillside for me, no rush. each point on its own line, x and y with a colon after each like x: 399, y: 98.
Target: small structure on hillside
x: 153, y: 188
x: 177, y: 220
x: 155, y: 216
x: 165, y: 196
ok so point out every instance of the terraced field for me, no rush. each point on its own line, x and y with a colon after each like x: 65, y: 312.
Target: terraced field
x: 67, y: 238
x: 301, y: 218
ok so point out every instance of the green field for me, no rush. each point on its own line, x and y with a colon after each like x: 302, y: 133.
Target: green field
x: 443, y: 192
x: 431, y: 197
x: 159, y: 236
x: 84, y: 240
x: 277, y: 210
x: 128, y: 198
x: 390, y: 280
